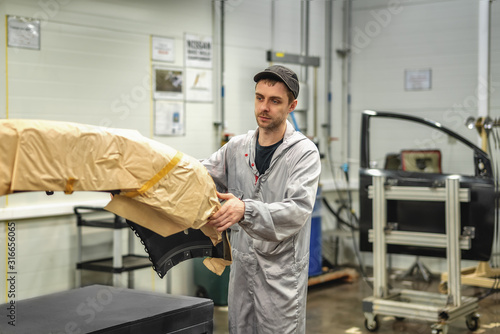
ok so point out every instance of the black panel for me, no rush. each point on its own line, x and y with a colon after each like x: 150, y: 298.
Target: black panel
x: 423, y: 216
x: 166, y: 252
x: 104, y: 309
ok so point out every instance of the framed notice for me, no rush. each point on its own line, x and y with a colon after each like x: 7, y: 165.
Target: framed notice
x: 198, y: 85
x: 163, y: 49
x: 168, y: 83
x: 198, y: 51
x: 23, y: 32
x: 418, y: 79
x: 169, y: 118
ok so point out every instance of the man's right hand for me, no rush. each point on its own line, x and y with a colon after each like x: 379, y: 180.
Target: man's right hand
x: 231, y: 212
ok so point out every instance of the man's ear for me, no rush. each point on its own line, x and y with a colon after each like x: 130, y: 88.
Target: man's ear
x: 292, y: 107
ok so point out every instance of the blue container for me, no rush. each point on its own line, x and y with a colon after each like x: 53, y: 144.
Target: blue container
x: 315, y: 253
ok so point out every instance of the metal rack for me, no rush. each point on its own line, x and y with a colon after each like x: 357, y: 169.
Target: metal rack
x: 118, y: 263
x: 420, y: 305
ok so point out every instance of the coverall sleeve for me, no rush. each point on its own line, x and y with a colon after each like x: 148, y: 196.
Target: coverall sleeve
x: 216, y: 167
x: 278, y: 220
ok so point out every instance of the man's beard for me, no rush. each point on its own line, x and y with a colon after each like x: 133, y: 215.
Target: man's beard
x: 274, y: 124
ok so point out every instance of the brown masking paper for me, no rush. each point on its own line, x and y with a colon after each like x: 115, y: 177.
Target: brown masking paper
x: 160, y: 188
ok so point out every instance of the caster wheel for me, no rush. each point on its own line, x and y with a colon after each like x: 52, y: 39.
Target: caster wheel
x: 372, y: 326
x: 472, y: 322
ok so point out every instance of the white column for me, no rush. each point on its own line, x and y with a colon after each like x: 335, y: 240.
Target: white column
x: 483, y: 90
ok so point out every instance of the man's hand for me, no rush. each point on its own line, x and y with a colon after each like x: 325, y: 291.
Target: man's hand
x: 231, y: 212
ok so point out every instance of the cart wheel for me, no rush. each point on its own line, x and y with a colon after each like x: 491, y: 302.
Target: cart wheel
x: 472, y: 321
x: 201, y: 292
x: 372, y: 326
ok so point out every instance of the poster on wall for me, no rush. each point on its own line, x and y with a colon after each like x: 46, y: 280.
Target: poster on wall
x: 198, y: 85
x: 23, y: 32
x: 163, y: 49
x: 198, y: 51
x: 168, y: 83
x: 169, y: 118
x: 418, y: 79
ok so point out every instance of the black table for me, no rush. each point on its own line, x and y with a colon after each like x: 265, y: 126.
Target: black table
x: 106, y: 309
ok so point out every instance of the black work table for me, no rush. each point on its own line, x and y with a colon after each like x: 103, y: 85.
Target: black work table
x: 106, y: 309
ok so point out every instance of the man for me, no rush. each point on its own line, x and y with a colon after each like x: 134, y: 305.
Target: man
x: 268, y: 179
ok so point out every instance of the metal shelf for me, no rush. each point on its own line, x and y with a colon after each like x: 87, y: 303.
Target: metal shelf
x: 130, y: 262
x: 440, y: 309
x: 118, y: 263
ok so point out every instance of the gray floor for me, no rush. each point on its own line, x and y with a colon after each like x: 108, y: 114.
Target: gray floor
x: 335, y: 307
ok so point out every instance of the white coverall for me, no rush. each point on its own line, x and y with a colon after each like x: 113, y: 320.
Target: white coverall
x: 270, y: 245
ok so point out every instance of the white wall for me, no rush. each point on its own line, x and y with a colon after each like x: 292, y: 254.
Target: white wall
x: 420, y: 34
x: 94, y: 67
x: 391, y: 36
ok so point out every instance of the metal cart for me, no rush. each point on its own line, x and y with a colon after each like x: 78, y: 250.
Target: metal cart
x: 426, y: 306
x: 119, y: 263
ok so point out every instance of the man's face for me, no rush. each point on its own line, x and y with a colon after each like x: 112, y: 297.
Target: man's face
x: 271, y: 105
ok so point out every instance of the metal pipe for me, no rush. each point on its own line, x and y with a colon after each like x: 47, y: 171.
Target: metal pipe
x: 328, y: 68
x: 273, y: 20
x: 379, y: 243
x: 453, y: 252
x: 222, y: 69
x: 304, y: 36
x: 484, y: 58
x: 117, y: 256
x: 483, y: 84
x: 315, y: 102
x: 304, y: 70
x: 218, y: 33
x: 346, y: 81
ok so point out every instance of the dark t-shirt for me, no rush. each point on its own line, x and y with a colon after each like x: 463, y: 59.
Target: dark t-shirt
x: 263, y: 155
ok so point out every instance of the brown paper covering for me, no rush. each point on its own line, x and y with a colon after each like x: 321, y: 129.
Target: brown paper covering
x: 40, y: 155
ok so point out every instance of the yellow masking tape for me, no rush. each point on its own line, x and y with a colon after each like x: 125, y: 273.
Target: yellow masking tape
x: 68, y: 190
x: 165, y: 170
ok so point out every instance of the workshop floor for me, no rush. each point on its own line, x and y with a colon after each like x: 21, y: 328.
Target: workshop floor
x: 335, y: 307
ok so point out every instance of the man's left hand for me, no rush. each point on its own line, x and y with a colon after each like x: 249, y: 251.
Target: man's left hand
x: 231, y: 212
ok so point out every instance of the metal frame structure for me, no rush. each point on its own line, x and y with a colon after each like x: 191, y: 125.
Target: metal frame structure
x: 434, y: 307
x: 118, y: 263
